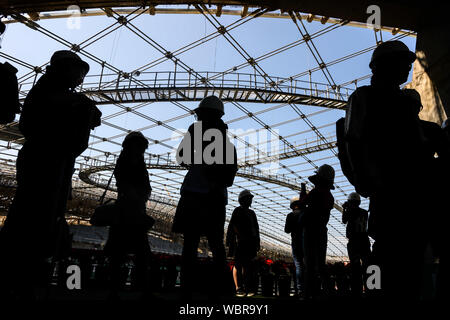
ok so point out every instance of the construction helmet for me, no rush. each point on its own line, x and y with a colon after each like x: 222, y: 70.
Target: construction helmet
x: 136, y: 136
x: 245, y: 193
x: 324, y: 174
x: 354, y: 197
x: 392, y: 49
x: 213, y: 103
x: 293, y: 201
x: 64, y: 56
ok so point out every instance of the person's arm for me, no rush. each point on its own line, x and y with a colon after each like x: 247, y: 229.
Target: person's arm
x: 358, y: 146
x: 258, y: 239
x: 185, y: 150
x: 345, y: 213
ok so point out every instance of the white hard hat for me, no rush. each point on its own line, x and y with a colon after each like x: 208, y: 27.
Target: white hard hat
x: 245, y: 193
x: 211, y: 102
x: 325, y: 173
x: 294, y: 200
x: 354, y: 197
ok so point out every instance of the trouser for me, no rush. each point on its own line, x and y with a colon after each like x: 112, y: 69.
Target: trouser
x: 297, y: 256
x: 142, y: 262
x: 358, y: 248
x: 189, y: 258
x: 31, y: 229
x: 314, y: 249
x: 245, y: 266
x: 400, y: 242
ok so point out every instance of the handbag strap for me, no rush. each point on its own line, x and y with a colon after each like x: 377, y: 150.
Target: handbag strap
x: 107, y: 187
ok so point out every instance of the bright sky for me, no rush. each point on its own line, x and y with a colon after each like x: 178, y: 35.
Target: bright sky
x: 126, y: 51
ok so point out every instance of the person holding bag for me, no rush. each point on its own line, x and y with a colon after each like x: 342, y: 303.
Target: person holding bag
x: 128, y: 233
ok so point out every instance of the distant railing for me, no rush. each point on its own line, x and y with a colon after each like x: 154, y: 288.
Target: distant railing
x: 207, y: 79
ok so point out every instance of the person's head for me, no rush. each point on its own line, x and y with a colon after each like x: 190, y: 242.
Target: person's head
x: 392, y: 60
x: 135, y: 142
x: 324, y: 177
x: 209, y: 108
x: 69, y: 68
x: 245, y: 198
x: 354, y: 200
x: 295, y: 203
x: 415, y: 99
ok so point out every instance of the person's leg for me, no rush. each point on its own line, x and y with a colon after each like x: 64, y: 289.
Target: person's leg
x: 116, y: 260
x: 188, y: 260
x: 236, y: 276
x: 310, y: 263
x: 298, y: 271
x: 143, y: 257
x: 400, y: 248
x: 215, y: 241
x: 355, y: 266
x: 322, y: 259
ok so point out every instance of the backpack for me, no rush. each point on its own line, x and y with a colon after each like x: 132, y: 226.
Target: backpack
x: 343, y: 155
x: 9, y: 93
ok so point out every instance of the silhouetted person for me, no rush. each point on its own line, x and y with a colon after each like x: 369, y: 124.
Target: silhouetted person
x: 385, y: 144
x: 9, y: 89
x: 243, y: 240
x: 294, y: 227
x: 358, y: 246
x: 56, y: 123
x: 318, y: 204
x: 128, y: 235
x: 443, y: 279
x: 201, y: 209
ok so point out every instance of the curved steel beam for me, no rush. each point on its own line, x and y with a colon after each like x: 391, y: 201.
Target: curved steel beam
x: 247, y: 172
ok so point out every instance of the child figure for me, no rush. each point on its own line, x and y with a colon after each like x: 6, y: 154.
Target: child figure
x: 243, y: 241
x: 318, y: 204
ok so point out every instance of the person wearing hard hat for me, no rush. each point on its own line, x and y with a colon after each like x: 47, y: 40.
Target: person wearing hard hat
x: 294, y: 227
x: 317, y: 206
x: 358, y: 246
x: 128, y: 234
x: 211, y: 161
x: 244, y: 243
x: 385, y: 147
x: 56, y: 122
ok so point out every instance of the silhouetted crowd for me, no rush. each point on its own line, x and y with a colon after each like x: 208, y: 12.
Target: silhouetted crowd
x: 386, y: 151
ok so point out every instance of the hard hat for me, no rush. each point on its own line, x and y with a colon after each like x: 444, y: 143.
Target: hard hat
x: 294, y: 200
x: 354, y: 197
x: 211, y: 102
x: 325, y: 174
x: 245, y: 193
x: 135, y: 135
x: 67, y: 55
x: 390, y: 49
